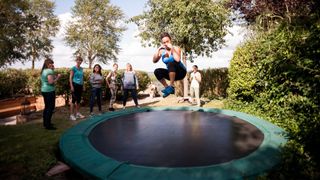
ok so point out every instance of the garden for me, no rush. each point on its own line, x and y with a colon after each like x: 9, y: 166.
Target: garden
x: 273, y: 75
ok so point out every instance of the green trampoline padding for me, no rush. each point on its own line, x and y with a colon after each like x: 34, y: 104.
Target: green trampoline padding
x: 79, y: 153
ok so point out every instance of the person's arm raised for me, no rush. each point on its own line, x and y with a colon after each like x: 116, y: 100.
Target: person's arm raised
x: 157, y: 55
x: 176, y: 52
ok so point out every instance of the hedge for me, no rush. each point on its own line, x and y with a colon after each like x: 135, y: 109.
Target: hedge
x: 276, y: 75
x: 15, y: 82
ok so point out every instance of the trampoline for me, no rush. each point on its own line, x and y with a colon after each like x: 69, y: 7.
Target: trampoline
x: 172, y: 143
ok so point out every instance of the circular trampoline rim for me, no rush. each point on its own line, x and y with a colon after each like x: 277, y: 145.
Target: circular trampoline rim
x: 78, y: 152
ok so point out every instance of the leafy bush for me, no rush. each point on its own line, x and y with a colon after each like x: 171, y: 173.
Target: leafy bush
x: 144, y: 80
x: 12, y: 82
x: 276, y: 75
x: 214, y: 83
x: 34, y: 81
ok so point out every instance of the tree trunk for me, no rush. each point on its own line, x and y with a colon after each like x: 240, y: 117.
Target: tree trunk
x: 32, y: 66
x: 90, y: 63
x: 90, y: 58
x: 185, y: 80
x: 33, y: 59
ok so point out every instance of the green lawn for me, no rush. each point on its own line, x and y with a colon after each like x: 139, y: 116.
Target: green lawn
x: 28, y: 151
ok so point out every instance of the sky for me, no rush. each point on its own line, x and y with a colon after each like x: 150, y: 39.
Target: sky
x: 131, y: 49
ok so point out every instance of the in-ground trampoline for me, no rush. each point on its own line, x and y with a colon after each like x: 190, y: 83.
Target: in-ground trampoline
x: 172, y: 143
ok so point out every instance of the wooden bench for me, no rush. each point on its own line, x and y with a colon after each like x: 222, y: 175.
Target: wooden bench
x: 17, y: 106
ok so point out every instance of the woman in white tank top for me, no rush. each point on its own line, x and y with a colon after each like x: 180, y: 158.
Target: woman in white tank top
x: 195, y: 78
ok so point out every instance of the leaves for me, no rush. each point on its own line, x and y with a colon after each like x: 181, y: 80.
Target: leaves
x: 14, y: 24
x: 267, y: 12
x: 96, y: 30
x: 26, y: 27
x: 276, y: 75
x: 196, y: 26
x: 38, y: 40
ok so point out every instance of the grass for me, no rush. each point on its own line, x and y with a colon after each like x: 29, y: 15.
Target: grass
x: 28, y: 151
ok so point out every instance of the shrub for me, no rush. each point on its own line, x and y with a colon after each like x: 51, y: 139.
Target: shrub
x: 12, y: 83
x: 276, y: 75
x: 214, y: 83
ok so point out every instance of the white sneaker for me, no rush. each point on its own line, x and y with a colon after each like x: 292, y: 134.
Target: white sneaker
x: 78, y: 115
x: 72, y: 117
x: 138, y: 106
x: 123, y: 107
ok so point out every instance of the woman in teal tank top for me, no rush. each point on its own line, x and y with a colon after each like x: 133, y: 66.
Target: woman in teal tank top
x: 76, y: 86
x: 48, y: 79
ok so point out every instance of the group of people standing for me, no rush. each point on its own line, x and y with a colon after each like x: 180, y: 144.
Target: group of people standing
x: 128, y: 81
x: 170, y: 55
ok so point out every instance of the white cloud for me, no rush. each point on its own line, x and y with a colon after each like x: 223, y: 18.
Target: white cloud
x: 62, y: 54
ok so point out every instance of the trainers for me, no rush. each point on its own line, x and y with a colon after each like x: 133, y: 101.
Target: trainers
x: 123, y: 107
x: 137, y: 106
x: 91, y: 114
x: 111, y: 109
x: 167, y: 91
x: 72, y: 117
x: 78, y: 115
x: 51, y: 128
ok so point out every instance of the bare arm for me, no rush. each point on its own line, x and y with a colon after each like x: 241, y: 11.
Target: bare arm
x: 176, y: 52
x: 198, y: 77
x: 52, y: 79
x: 107, y: 79
x: 157, y: 55
x: 70, y: 80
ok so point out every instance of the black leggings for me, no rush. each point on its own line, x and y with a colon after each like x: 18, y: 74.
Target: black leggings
x: 133, y: 94
x: 49, y: 105
x: 77, y: 93
x: 161, y: 73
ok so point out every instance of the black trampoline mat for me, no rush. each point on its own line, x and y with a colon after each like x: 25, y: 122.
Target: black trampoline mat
x: 175, y: 138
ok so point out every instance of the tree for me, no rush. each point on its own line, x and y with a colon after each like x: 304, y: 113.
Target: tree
x: 95, y: 30
x: 38, y: 42
x: 198, y: 26
x: 266, y: 12
x: 14, y: 23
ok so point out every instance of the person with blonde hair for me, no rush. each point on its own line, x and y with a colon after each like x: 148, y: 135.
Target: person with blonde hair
x: 76, y: 87
x: 48, y: 80
x: 130, y: 84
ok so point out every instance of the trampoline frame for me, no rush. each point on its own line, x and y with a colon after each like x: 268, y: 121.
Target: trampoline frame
x: 78, y: 152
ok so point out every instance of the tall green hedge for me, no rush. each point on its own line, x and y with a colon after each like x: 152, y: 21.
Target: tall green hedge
x: 276, y: 75
x: 214, y: 83
x: 14, y: 82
